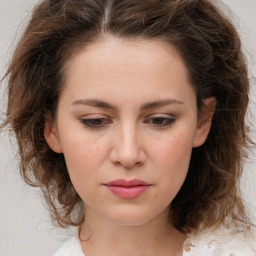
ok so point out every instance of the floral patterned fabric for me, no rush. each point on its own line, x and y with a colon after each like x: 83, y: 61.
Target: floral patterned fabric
x: 220, y: 242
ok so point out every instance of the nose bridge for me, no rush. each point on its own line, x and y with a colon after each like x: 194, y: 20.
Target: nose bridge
x: 129, y: 138
x: 127, y: 149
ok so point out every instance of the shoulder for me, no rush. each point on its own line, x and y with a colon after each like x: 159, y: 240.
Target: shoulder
x: 70, y: 248
x: 222, y: 242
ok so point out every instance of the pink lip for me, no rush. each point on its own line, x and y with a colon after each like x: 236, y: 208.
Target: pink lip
x: 129, y: 189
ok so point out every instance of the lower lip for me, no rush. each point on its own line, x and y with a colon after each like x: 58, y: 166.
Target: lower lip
x: 128, y: 192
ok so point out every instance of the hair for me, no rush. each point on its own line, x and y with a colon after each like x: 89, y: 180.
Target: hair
x: 211, y: 49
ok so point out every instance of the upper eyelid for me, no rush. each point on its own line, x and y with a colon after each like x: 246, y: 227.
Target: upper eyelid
x: 86, y: 122
x: 106, y: 114
x: 164, y: 115
x: 94, y: 116
x: 103, y: 116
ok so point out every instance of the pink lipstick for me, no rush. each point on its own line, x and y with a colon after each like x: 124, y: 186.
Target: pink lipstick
x: 128, y: 189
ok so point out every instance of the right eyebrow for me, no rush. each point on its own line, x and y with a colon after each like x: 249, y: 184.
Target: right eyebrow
x: 94, y: 103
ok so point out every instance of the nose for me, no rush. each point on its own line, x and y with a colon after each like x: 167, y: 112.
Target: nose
x: 127, y: 150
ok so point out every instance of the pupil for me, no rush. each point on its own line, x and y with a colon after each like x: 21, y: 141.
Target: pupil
x: 97, y: 121
x: 158, y: 120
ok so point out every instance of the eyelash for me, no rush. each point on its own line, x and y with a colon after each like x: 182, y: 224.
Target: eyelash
x: 168, y: 121
x: 90, y: 123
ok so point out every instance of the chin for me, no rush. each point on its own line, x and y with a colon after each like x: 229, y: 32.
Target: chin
x: 131, y: 218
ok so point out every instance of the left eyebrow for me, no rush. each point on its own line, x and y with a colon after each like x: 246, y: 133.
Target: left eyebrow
x: 159, y: 103
x: 145, y: 106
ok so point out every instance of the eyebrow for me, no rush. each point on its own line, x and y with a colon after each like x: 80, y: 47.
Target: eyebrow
x: 159, y: 103
x: 145, y: 106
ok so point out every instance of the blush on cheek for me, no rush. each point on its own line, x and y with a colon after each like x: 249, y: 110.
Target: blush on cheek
x: 174, y: 149
x: 82, y: 157
x: 173, y: 158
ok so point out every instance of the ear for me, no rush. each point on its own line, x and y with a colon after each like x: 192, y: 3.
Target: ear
x: 51, y: 135
x: 205, y: 121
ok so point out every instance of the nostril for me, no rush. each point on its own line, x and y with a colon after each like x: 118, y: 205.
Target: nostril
x: 128, y: 165
x: 127, y: 153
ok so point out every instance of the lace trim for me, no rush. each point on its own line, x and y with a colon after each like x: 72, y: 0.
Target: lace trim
x: 221, y: 242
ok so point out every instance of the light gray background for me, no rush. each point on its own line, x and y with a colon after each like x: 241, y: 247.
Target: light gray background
x: 25, y: 228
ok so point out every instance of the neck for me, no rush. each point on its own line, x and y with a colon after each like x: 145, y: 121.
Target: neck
x: 156, y: 237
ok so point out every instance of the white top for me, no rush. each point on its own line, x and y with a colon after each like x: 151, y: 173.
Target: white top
x: 221, y: 242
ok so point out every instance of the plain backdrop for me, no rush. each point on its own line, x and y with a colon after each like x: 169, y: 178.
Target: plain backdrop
x: 25, y: 228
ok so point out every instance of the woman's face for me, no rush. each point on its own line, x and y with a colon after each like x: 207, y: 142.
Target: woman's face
x: 127, y: 112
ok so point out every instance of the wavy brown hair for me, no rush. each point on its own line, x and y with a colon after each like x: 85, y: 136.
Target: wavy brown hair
x: 211, y: 49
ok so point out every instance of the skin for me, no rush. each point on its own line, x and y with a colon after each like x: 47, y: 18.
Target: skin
x: 152, y: 144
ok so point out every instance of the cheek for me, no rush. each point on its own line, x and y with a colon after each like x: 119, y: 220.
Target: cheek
x: 83, y: 155
x: 172, y: 158
x: 78, y: 153
x: 173, y: 151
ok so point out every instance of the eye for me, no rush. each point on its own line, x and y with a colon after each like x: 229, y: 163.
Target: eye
x: 95, y: 122
x: 160, y: 121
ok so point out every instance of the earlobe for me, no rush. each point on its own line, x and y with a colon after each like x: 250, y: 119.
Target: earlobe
x: 205, y: 121
x: 51, y: 136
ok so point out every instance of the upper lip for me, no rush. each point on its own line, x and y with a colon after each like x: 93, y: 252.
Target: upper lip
x: 127, y: 183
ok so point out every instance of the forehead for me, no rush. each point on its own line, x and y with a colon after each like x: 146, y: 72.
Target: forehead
x: 127, y: 54
x: 125, y: 67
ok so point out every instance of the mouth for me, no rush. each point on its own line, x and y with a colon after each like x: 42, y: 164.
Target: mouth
x: 129, y: 189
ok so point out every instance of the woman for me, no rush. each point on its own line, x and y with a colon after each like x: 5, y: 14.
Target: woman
x: 129, y: 116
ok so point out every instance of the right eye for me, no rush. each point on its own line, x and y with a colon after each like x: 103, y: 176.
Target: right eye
x: 95, y: 123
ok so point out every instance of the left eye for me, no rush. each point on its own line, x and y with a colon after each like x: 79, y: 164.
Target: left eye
x: 95, y: 122
x: 160, y: 121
